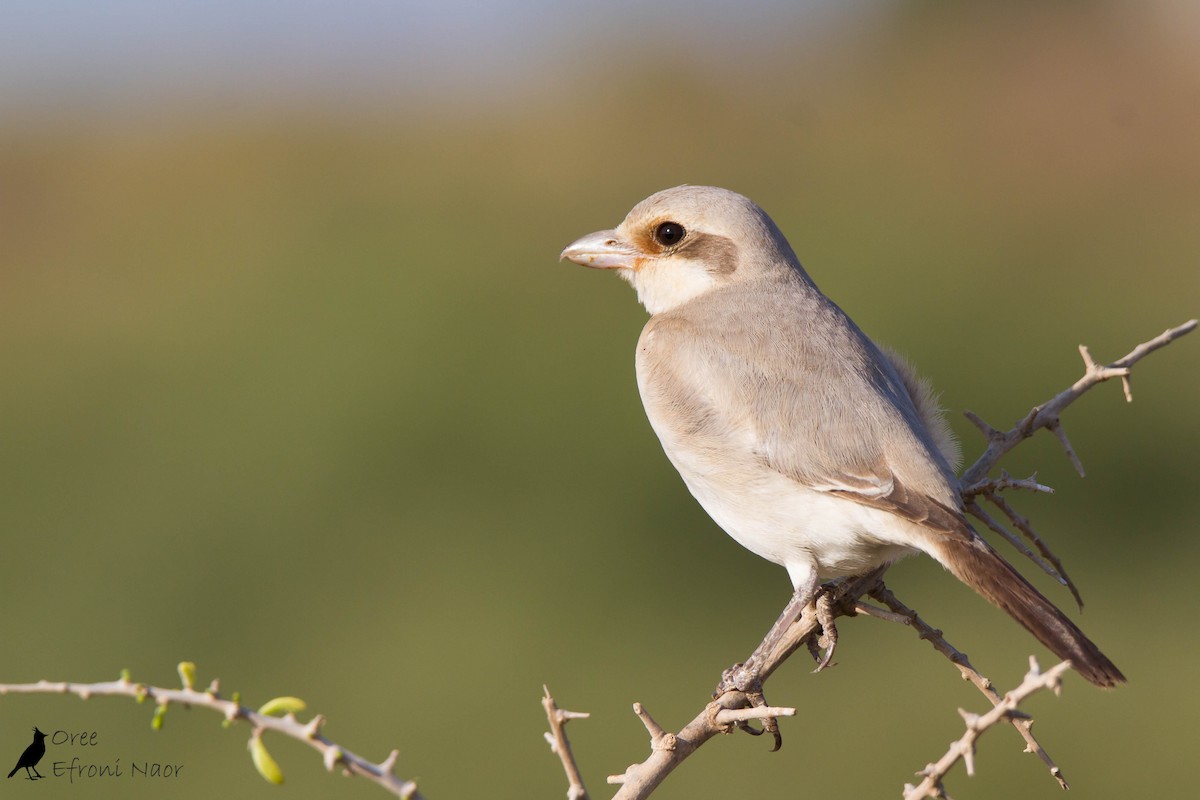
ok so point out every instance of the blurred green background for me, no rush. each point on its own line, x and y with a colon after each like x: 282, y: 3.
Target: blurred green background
x: 295, y: 388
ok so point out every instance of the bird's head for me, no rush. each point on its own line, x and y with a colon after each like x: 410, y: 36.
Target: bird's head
x: 681, y: 243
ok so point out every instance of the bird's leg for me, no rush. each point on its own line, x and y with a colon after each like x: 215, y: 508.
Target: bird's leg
x: 744, y: 677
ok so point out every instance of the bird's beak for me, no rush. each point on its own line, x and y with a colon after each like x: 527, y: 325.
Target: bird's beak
x: 602, y: 250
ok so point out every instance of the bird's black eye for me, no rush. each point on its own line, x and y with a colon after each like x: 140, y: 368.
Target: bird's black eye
x: 669, y: 233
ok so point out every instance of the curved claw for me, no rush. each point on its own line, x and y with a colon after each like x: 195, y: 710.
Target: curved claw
x: 814, y: 648
x: 825, y: 659
x: 770, y: 724
x: 774, y: 729
x: 746, y: 727
x: 829, y: 634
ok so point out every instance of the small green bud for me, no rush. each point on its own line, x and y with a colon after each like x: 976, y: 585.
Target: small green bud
x: 159, y: 713
x: 283, y: 705
x: 187, y: 673
x: 263, y: 762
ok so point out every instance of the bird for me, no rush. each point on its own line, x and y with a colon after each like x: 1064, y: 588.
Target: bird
x: 807, y: 443
x: 32, y: 755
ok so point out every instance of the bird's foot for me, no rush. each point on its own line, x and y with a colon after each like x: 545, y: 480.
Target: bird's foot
x: 739, y: 678
x: 743, y: 678
x: 821, y: 646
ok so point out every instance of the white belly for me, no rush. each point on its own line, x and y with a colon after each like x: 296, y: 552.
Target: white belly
x: 808, y: 532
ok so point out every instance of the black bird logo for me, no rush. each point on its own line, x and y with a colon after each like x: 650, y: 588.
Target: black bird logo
x: 32, y: 755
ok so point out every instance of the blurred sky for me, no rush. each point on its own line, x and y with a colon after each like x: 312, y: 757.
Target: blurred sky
x: 137, y: 50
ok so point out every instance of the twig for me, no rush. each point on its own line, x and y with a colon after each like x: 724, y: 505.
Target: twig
x: 974, y: 510
x: 309, y: 732
x: 1024, y: 526
x: 887, y: 616
x: 561, y: 746
x: 969, y: 673
x: 732, y: 716
x: 1047, y: 414
x: 964, y: 747
x: 992, y: 486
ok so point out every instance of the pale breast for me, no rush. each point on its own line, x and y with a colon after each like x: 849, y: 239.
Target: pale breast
x: 708, y: 427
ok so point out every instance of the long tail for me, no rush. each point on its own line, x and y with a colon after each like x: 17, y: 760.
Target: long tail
x: 976, y: 564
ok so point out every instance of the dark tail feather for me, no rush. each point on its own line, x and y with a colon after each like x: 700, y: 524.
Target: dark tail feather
x: 976, y: 564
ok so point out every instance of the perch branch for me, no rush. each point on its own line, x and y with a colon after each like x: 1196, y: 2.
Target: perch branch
x: 669, y: 750
x: 307, y: 732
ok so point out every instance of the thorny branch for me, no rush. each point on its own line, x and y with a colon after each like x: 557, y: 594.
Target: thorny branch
x: 1024, y: 725
x: 964, y: 748
x: 560, y: 746
x: 1047, y: 414
x: 668, y: 750
x: 332, y: 754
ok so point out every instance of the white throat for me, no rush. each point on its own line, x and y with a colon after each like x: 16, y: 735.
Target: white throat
x: 662, y: 287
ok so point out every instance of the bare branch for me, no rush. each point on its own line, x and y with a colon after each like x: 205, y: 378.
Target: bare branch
x: 974, y: 510
x: 659, y: 738
x: 1024, y: 526
x: 991, y: 486
x: 988, y: 431
x: 879, y: 613
x: 309, y: 733
x: 959, y: 659
x: 1055, y: 427
x: 561, y: 746
x: 731, y: 716
x: 1047, y: 414
x: 964, y: 747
